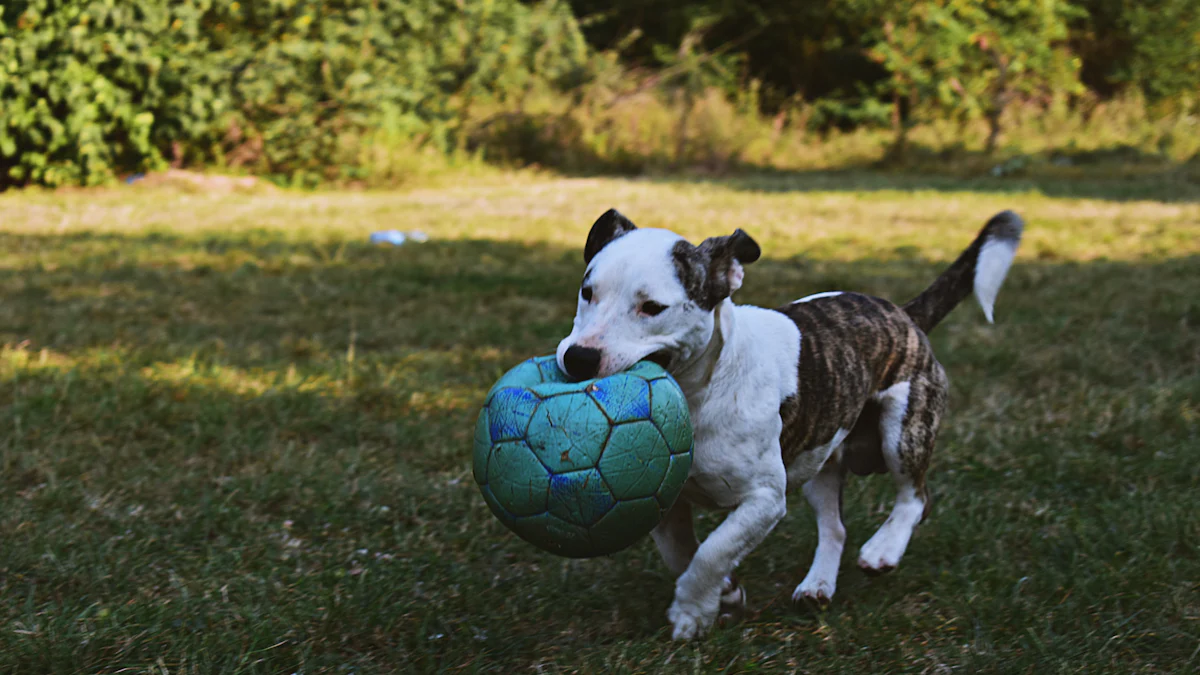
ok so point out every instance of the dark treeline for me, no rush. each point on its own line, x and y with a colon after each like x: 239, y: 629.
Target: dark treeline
x: 819, y: 50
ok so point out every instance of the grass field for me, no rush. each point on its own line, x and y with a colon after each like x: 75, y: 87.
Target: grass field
x: 236, y: 438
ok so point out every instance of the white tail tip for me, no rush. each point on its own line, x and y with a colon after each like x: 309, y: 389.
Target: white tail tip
x: 995, y: 257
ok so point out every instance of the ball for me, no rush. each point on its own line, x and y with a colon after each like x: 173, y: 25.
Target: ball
x: 582, y: 469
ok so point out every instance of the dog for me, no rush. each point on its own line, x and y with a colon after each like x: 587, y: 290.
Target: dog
x: 781, y: 398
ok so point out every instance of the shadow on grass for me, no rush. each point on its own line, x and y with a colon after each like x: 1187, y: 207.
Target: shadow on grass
x: 1162, y: 187
x: 1119, y: 173
x: 243, y: 447
x: 255, y: 299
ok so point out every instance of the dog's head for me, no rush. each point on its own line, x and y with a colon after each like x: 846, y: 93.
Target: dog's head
x: 649, y: 294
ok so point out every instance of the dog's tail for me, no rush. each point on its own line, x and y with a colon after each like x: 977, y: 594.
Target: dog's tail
x: 980, y: 268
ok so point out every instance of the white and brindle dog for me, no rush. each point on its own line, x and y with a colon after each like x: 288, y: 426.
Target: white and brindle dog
x: 779, y: 398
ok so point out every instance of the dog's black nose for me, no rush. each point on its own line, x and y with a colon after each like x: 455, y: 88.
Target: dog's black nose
x: 581, y: 362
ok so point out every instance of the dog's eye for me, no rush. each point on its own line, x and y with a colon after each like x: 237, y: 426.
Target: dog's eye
x: 586, y: 293
x: 652, y: 308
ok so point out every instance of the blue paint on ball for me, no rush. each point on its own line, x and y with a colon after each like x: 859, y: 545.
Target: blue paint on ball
x: 623, y: 397
x: 509, y: 412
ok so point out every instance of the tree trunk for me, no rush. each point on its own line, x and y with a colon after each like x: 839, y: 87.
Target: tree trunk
x: 993, y: 132
x: 900, y: 129
x: 999, y: 103
x: 681, y: 129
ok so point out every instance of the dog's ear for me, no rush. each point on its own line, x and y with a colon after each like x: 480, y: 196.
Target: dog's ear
x: 606, y: 228
x: 726, y: 255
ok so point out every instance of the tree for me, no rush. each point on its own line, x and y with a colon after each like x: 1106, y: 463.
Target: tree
x: 971, y: 58
x: 1166, y: 48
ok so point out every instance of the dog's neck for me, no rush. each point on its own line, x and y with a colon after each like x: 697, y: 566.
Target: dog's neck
x: 695, y: 374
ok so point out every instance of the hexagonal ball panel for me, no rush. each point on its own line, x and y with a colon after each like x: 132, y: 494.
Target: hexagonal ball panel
x: 509, y: 411
x: 670, y: 413
x: 568, y: 432
x: 672, y: 484
x: 635, y: 460
x: 647, y: 370
x: 624, y: 525
x: 623, y: 397
x: 517, y: 479
x: 551, y: 533
x: 496, y: 507
x: 521, y: 375
x: 482, y: 448
x: 579, y: 497
x: 548, y: 365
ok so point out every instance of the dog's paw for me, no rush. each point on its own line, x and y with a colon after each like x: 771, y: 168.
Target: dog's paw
x: 817, y: 592
x: 688, y: 622
x: 692, y: 617
x: 879, y: 556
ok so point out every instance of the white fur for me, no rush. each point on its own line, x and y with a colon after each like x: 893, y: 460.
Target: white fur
x: 804, y: 467
x: 818, y: 296
x: 995, y: 257
x: 824, y: 495
x: 733, y: 397
x: 884, y: 549
x: 611, y: 323
x: 894, y: 401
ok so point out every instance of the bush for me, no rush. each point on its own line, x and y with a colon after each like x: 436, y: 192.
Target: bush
x: 288, y: 88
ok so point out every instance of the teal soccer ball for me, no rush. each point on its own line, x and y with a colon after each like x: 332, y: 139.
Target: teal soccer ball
x: 582, y: 469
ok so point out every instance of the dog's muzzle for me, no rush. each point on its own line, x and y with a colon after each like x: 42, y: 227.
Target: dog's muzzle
x: 582, y: 363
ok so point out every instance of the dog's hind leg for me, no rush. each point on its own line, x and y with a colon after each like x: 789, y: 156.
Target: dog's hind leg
x: 824, y: 494
x: 676, y: 538
x: 908, y: 422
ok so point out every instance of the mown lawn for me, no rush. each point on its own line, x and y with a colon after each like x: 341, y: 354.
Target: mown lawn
x: 235, y: 437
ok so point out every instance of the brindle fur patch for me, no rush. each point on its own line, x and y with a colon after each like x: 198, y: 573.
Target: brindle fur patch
x: 852, y: 346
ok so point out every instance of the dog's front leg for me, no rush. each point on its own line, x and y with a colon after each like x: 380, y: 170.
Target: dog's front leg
x: 698, y: 590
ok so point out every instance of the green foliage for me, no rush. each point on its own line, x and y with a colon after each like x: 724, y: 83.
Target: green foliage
x: 1166, y: 52
x: 80, y: 82
x: 967, y: 58
x: 286, y: 87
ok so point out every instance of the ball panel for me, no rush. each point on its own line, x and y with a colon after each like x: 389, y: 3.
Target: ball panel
x: 624, y: 525
x: 548, y: 367
x: 517, y: 479
x: 568, y: 432
x: 482, y: 448
x: 647, y: 370
x: 551, y: 533
x: 676, y: 475
x: 670, y: 414
x: 497, y: 508
x: 524, y: 374
x: 552, y: 389
x: 579, y: 497
x: 623, y: 397
x: 635, y: 460
x: 509, y: 411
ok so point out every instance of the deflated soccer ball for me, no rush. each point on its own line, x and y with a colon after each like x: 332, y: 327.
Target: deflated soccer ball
x: 582, y: 469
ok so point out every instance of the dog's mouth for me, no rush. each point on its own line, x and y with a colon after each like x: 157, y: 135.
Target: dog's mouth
x: 662, y: 357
